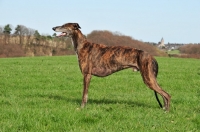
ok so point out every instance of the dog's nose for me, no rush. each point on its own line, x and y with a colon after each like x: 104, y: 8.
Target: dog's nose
x: 54, y: 28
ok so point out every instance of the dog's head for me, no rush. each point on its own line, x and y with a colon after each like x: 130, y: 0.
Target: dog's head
x: 66, y: 29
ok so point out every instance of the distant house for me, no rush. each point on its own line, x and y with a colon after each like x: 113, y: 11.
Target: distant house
x: 173, y: 46
x: 168, y: 46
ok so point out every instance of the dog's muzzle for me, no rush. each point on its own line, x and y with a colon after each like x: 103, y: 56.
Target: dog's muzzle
x: 54, y: 28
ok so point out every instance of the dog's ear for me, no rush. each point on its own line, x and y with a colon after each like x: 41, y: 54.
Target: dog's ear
x: 76, y: 26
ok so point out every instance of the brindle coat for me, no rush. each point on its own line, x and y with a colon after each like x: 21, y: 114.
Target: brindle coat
x: 101, y: 60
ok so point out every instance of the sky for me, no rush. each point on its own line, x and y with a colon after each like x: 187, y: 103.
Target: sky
x: 177, y: 21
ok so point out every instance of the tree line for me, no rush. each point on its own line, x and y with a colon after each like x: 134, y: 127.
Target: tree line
x: 24, y: 41
x: 190, y: 51
x: 22, y: 31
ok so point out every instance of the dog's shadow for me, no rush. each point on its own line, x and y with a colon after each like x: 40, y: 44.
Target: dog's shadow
x: 128, y: 103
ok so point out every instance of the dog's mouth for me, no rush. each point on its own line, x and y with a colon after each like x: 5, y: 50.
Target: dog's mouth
x: 62, y: 34
x: 60, y: 29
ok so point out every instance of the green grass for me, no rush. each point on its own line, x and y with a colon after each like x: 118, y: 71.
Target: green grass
x: 174, y: 52
x: 44, y: 94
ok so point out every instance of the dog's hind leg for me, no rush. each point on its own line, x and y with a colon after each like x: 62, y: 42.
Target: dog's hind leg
x: 155, y: 71
x: 149, y: 78
x: 152, y: 83
x: 86, y: 82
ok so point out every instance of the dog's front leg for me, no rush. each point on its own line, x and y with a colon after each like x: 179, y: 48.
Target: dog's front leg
x: 86, y: 82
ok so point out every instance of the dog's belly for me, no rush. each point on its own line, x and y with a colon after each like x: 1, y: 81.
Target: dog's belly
x: 101, y: 72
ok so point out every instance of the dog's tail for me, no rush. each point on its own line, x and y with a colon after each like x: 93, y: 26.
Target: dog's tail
x: 155, y: 70
x: 155, y: 67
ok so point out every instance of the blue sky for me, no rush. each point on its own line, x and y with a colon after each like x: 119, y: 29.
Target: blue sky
x: 177, y: 21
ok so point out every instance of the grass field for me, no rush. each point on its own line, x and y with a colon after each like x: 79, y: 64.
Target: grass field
x: 174, y: 52
x: 44, y: 94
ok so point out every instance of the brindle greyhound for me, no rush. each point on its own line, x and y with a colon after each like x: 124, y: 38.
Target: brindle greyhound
x: 101, y: 60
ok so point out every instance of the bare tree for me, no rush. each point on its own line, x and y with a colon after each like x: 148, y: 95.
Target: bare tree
x: 1, y: 35
x: 30, y: 32
x: 1, y: 30
x: 22, y: 31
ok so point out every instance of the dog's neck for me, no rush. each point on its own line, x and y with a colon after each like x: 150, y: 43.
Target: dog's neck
x: 77, y: 39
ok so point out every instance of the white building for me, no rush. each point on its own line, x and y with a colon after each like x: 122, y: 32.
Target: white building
x: 161, y: 44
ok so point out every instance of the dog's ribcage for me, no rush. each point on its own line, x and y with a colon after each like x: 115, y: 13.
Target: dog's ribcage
x: 106, y: 60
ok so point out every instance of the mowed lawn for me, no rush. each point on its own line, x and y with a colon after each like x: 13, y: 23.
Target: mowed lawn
x: 42, y: 94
